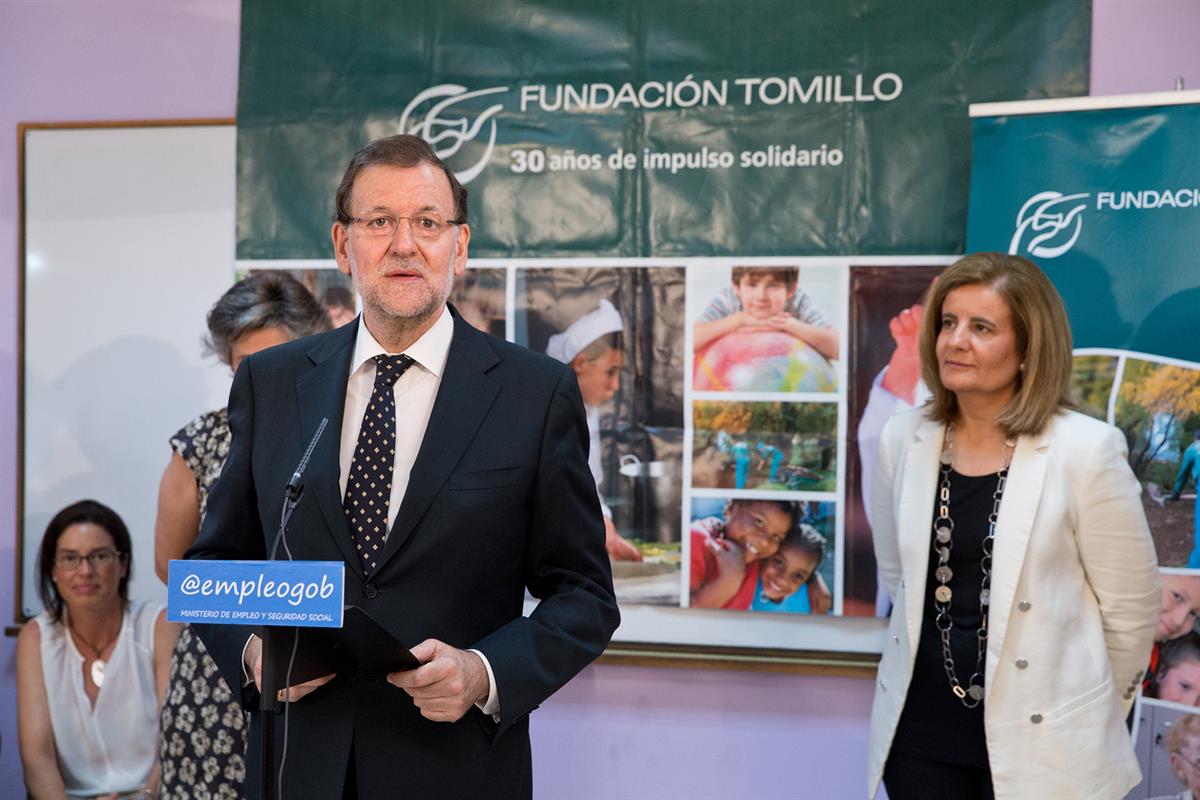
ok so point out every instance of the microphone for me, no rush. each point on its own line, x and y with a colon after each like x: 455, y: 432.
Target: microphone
x: 267, y: 702
x: 294, y: 486
x: 291, y: 494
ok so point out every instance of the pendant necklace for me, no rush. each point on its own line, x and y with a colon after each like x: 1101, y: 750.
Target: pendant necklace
x: 943, y: 542
x: 98, y: 663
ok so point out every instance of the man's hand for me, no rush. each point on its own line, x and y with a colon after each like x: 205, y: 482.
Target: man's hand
x: 618, y: 547
x: 448, y: 682
x: 253, y: 659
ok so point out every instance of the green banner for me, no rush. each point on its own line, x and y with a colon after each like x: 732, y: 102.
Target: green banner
x: 636, y: 129
x: 1107, y: 202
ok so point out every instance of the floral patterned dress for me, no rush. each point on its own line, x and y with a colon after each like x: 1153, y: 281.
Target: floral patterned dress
x: 203, y: 741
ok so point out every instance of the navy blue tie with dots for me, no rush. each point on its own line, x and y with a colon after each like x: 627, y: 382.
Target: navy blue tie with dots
x: 369, y: 488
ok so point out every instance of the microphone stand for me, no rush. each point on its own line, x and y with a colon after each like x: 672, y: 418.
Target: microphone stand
x: 268, y: 705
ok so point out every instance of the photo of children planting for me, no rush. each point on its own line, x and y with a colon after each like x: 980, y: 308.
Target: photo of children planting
x: 771, y: 446
x: 761, y: 555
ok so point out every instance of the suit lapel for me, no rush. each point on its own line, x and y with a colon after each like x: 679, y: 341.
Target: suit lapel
x: 463, y: 399
x: 915, y: 517
x: 1018, y: 508
x: 321, y: 392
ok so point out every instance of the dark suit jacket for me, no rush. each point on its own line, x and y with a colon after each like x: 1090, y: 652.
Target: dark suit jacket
x: 500, y: 499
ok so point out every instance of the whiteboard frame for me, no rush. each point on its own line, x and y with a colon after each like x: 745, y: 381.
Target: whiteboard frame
x: 28, y: 541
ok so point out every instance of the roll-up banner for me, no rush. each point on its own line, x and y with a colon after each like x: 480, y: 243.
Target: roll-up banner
x: 1104, y: 195
x: 663, y: 169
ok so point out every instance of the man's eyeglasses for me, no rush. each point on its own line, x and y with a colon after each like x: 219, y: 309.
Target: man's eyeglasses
x: 421, y: 226
x: 99, y: 559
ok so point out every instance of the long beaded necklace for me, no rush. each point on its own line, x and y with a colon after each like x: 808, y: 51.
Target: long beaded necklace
x: 943, y: 543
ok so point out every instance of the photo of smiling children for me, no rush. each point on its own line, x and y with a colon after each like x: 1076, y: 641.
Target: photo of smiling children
x: 762, y: 332
x: 728, y: 538
x: 749, y: 554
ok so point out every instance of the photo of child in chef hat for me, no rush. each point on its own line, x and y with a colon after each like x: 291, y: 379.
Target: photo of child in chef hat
x: 593, y: 346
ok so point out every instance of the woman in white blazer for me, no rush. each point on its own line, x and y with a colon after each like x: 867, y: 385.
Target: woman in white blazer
x: 1009, y: 531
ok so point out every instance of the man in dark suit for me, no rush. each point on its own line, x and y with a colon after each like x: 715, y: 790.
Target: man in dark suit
x: 453, y: 475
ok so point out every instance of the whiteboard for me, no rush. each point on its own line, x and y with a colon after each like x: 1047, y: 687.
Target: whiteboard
x: 128, y: 241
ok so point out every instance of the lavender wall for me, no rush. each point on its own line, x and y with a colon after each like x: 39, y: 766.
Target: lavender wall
x: 87, y: 60
x: 1143, y: 45
x: 614, y: 732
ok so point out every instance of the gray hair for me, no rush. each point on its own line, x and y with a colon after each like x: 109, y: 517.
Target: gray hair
x: 266, y: 299
x: 401, y: 150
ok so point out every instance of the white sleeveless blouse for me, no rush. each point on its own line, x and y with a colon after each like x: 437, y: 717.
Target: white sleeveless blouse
x: 110, y: 748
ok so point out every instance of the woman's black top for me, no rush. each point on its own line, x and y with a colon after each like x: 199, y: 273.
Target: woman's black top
x: 935, y: 724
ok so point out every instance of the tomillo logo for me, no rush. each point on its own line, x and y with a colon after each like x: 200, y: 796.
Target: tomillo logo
x: 1049, y: 224
x: 451, y: 120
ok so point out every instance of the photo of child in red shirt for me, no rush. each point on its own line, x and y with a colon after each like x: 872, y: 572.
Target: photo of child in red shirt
x: 726, y: 551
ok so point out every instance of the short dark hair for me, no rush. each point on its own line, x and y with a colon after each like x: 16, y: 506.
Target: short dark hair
x: 790, y: 507
x: 264, y: 299
x: 401, y: 150
x: 82, y: 511
x: 1174, y: 652
x: 790, y: 276
x: 1041, y: 329
x: 807, y: 538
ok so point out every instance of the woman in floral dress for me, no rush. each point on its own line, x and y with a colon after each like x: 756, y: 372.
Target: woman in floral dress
x: 203, y: 727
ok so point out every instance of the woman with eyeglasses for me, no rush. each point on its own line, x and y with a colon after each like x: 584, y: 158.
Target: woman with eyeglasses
x: 92, y: 667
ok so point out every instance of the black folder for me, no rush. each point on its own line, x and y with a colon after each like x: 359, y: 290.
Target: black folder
x: 361, y: 645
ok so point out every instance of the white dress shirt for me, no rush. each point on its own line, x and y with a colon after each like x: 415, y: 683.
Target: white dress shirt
x: 414, y: 393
